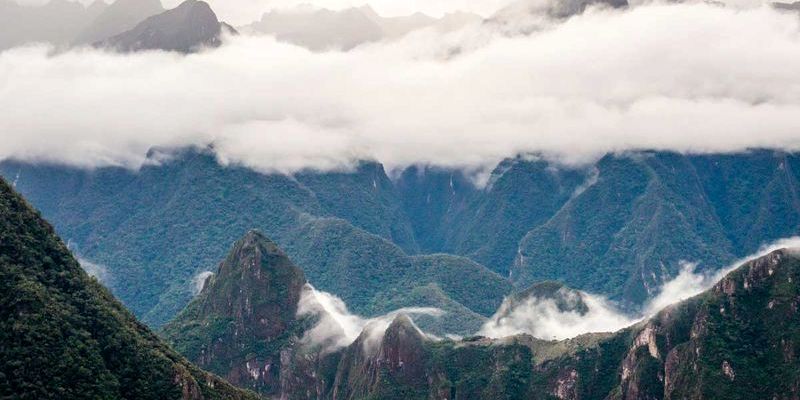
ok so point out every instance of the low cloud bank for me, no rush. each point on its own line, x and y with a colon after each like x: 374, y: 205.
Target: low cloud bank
x: 336, y: 327
x: 542, y: 318
x: 682, y: 77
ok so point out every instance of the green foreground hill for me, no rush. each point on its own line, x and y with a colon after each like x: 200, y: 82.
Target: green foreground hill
x: 64, y: 336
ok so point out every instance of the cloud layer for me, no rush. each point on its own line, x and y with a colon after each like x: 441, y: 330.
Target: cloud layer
x: 543, y: 319
x: 684, y: 77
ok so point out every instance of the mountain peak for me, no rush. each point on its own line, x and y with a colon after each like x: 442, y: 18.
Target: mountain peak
x: 252, y: 300
x: 191, y: 25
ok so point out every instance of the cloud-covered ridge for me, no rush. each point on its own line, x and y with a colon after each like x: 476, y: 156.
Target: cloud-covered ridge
x: 684, y: 77
x: 544, y: 318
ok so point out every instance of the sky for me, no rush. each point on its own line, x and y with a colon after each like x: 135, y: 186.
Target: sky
x: 682, y: 77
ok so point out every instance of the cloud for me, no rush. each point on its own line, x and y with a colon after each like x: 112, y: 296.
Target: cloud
x: 336, y: 327
x: 689, y: 282
x: 240, y: 12
x: 199, y: 281
x: 99, y: 271
x: 542, y: 318
x: 683, y: 77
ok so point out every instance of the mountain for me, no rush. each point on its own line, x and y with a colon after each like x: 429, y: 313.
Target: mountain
x: 186, y: 28
x: 63, y: 335
x: 737, y: 340
x: 341, y: 227
x: 57, y: 22
x: 620, y: 226
x: 117, y: 17
x: 647, y: 213
x: 244, y: 316
x: 321, y: 29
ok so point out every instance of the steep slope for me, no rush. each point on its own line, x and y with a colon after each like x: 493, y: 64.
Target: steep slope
x: 648, y: 212
x: 62, y: 335
x: 374, y: 276
x: 244, y: 316
x: 521, y: 193
x: 619, y: 227
x: 118, y: 17
x: 186, y: 28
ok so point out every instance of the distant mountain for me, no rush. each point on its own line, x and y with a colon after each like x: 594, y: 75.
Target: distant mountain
x: 118, y: 17
x: 63, y: 335
x: 321, y: 29
x: 57, y: 22
x: 619, y: 227
x: 186, y: 28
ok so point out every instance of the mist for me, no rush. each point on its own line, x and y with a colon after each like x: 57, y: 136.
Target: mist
x: 199, y: 281
x: 542, y: 318
x: 681, y: 77
x: 336, y: 327
x: 98, y: 271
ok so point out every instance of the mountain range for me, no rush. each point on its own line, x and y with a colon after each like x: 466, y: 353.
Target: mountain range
x: 735, y: 341
x: 619, y: 227
x: 65, y: 336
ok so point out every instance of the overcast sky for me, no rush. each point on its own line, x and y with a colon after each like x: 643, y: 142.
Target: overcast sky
x: 685, y: 77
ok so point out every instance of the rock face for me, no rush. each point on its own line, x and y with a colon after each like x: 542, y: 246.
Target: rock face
x: 63, y: 335
x: 244, y: 316
x: 184, y: 29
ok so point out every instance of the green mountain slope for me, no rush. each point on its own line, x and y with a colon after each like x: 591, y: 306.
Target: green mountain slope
x: 156, y: 228
x: 649, y: 212
x: 63, y: 335
x: 619, y: 227
x: 734, y: 341
x: 737, y: 340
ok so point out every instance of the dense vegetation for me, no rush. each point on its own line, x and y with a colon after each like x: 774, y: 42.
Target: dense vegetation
x: 64, y: 336
x: 619, y: 227
x: 738, y: 340
x: 245, y: 315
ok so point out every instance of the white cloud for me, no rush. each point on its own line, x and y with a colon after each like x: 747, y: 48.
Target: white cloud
x: 99, y: 271
x: 199, y: 281
x: 543, y: 319
x: 689, y: 283
x: 336, y: 327
x: 684, y: 77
